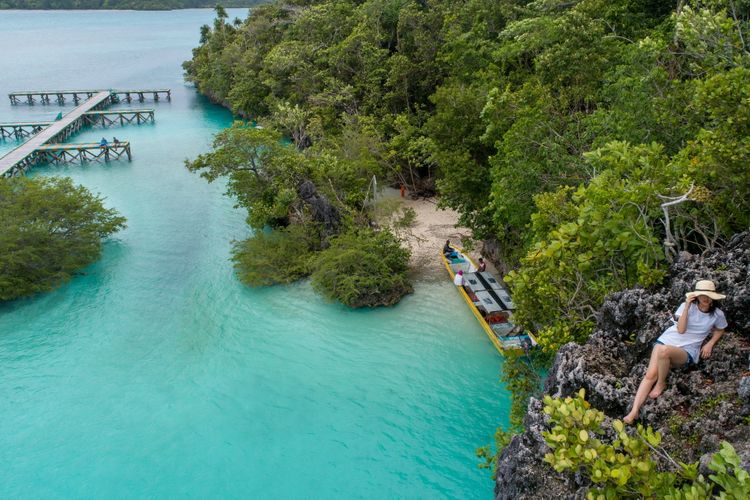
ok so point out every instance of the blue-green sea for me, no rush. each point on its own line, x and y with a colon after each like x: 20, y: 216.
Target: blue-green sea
x: 156, y: 374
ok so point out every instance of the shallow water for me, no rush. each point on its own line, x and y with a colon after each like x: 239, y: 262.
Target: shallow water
x: 156, y: 374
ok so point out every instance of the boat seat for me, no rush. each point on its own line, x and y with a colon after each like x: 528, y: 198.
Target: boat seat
x: 497, y: 318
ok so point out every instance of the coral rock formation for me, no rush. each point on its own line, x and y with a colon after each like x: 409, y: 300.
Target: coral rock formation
x: 703, y: 404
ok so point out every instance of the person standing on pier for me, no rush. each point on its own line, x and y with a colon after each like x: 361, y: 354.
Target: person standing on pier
x: 103, y: 143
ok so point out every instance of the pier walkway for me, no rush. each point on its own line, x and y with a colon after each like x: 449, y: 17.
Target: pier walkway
x: 21, y: 157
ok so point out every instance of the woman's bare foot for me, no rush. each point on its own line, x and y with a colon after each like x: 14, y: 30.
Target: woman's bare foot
x: 656, y: 391
x: 629, y: 418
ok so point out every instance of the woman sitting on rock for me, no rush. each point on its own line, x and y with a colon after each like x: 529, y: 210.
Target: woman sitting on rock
x: 681, y: 342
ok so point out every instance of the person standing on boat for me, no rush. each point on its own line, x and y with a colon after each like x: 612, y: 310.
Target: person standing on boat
x: 680, y: 344
x: 458, y: 280
x: 482, y: 265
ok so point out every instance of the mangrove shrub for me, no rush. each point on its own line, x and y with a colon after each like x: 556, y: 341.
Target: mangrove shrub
x: 49, y: 229
x: 274, y: 256
x: 363, y: 267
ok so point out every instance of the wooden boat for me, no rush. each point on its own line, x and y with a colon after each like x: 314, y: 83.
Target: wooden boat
x: 490, y: 302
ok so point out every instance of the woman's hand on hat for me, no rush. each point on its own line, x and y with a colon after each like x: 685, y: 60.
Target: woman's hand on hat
x: 690, y: 298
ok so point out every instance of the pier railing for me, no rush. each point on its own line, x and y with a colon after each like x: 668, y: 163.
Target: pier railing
x: 20, y: 130
x: 118, y: 117
x: 61, y: 96
x: 81, y: 153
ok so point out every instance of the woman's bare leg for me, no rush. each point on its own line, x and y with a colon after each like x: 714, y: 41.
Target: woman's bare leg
x: 668, y: 357
x: 649, y: 379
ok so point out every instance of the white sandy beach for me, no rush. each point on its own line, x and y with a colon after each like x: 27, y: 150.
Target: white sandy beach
x: 427, y: 236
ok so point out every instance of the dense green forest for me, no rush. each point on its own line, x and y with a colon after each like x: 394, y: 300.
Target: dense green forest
x: 557, y: 129
x: 122, y: 4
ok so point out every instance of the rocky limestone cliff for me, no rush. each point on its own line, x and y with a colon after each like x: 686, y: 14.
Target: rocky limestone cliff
x: 702, y: 406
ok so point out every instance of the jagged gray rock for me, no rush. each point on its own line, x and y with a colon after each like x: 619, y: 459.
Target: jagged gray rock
x: 702, y: 406
x: 744, y: 390
x: 321, y: 209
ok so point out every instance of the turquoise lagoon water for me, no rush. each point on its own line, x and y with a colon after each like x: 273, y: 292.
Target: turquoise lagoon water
x: 156, y: 374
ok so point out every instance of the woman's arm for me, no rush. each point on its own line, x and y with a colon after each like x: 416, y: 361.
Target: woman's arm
x: 682, y: 322
x: 706, y: 349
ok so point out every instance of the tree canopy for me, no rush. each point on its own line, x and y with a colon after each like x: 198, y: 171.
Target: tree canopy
x: 49, y: 229
x: 557, y: 129
x: 309, y: 211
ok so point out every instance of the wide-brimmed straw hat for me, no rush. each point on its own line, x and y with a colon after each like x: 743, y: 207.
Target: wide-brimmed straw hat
x: 706, y: 287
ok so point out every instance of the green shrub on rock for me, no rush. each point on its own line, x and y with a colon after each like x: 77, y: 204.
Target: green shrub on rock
x: 363, y: 268
x: 49, y: 229
x: 627, y: 466
x: 274, y: 257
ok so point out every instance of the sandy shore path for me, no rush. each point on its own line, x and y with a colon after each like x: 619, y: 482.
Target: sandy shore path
x: 427, y: 236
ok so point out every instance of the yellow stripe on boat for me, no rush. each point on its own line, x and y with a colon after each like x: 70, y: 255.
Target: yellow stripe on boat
x: 487, y: 329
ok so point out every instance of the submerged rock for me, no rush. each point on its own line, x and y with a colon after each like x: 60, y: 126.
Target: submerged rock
x: 703, y: 405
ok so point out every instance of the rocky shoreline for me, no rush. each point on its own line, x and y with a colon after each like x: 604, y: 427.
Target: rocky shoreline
x: 703, y: 405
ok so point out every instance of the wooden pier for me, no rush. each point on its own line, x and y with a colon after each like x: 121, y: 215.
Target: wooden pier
x: 119, y: 117
x: 47, y: 96
x: 20, y: 159
x: 21, y: 129
x: 46, y: 146
x: 61, y: 96
x: 81, y: 153
x: 141, y: 95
